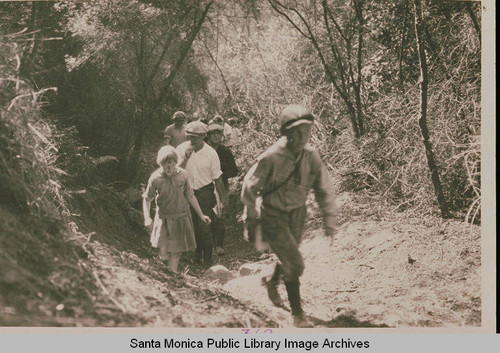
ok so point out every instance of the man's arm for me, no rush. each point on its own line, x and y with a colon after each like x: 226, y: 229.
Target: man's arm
x: 196, y: 206
x: 326, y: 199
x: 253, y: 183
x: 230, y: 169
x: 167, y: 134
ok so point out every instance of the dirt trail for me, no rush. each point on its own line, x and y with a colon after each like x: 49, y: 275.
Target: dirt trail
x: 396, y: 272
x: 385, y: 274
x: 159, y: 298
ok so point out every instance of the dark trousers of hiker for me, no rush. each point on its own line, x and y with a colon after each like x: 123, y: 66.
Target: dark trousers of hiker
x: 202, y: 231
x: 218, y: 231
x: 283, y: 232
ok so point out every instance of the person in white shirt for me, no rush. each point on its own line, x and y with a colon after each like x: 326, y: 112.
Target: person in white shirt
x: 202, y: 165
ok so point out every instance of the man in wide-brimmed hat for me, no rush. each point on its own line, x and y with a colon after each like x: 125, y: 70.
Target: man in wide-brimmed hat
x: 283, y: 176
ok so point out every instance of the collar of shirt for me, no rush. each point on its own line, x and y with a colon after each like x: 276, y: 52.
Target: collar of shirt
x: 177, y: 171
x: 281, y: 149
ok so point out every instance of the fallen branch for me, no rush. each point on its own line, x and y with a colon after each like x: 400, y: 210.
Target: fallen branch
x: 342, y: 291
x: 210, y: 298
x: 361, y: 171
x: 106, y: 292
x: 390, y: 187
x: 370, y: 267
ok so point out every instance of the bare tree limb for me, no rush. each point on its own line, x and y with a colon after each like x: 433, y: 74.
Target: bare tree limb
x: 473, y: 17
x: 271, y: 2
x: 402, y: 45
x: 180, y: 60
x: 423, y: 112
x: 218, y: 68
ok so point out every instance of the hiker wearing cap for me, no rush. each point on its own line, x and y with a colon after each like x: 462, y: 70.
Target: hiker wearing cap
x: 202, y: 165
x: 229, y: 170
x: 283, y: 177
x: 228, y: 166
x: 227, y: 130
x: 175, y: 133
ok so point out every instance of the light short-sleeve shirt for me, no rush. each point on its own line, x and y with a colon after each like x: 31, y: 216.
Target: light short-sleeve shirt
x: 202, y: 167
x: 177, y: 136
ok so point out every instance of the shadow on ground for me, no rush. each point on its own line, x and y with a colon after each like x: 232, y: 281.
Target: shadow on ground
x: 342, y: 321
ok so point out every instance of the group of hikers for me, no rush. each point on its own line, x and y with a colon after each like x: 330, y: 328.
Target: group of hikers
x: 191, y: 188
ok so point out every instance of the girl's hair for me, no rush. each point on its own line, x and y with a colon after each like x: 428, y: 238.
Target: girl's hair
x: 167, y: 154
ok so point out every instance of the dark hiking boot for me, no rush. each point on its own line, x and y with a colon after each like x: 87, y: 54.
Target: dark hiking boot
x: 301, y: 322
x: 293, y: 290
x: 272, y: 291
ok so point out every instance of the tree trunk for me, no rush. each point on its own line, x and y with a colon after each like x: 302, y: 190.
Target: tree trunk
x: 357, y: 83
x: 401, y: 49
x: 473, y: 18
x: 133, y: 157
x: 346, y: 81
x: 423, y: 113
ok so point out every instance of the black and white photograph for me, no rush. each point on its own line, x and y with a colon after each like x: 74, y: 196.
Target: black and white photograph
x: 327, y: 157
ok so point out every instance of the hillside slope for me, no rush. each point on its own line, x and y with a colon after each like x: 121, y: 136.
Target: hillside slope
x: 379, y: 272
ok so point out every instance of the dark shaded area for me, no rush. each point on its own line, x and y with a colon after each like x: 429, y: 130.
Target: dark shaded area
x: 107, y: 214
x: 343, y: 321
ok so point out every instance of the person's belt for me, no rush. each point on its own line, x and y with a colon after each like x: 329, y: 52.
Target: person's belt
x: 273, y: 208
x: 208, y: 187
x: 269, y: 207
x: 175, y: 216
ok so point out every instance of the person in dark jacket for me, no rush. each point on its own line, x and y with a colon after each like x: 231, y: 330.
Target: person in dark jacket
x: 229, y: 170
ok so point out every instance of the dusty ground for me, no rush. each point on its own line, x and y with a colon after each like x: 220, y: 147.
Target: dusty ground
x: 395, y: 272
x: 381, y: 270
x: 386, y: 274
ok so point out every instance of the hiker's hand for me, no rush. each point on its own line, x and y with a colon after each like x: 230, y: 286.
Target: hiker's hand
x: 330, y: 233
x: 189, y: 152
x: 224, y: 202
x: 206, y: 219
x: 148, y: 223
x: 250, y: 213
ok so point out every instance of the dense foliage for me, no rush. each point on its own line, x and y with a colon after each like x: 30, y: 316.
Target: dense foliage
x: 113, y: 74
x: 42, y: 272
x: 356, y: 64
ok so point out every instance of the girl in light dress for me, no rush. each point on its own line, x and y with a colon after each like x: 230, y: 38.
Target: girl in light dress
x: 172, y: 231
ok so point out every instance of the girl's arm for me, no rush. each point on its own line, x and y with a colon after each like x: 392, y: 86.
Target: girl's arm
x: 194, y: 203
x: 146, y: 209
